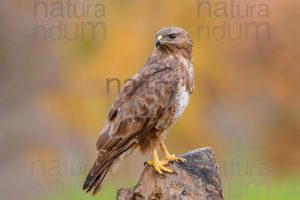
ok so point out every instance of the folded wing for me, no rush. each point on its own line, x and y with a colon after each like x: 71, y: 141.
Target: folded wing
x: 138, y: 107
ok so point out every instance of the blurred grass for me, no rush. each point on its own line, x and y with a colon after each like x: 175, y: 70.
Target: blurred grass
x: 287, y: 188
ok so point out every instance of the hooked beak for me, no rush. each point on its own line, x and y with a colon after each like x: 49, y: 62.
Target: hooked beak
x: 158, y: 40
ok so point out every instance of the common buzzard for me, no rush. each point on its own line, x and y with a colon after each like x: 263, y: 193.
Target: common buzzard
x: 148, y: 104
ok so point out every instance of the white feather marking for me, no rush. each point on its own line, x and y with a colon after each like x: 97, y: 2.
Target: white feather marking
x: 182, y: 99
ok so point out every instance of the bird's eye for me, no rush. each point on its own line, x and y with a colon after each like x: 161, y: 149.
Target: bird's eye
x: 172, y: 36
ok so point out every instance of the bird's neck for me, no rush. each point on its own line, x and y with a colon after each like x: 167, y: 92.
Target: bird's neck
x: 163, y: 53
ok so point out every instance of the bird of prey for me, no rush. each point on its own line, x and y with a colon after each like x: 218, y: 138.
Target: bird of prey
x: 148, y: 104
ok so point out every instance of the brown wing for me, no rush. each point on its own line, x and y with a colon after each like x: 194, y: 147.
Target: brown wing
x: 134, y: 113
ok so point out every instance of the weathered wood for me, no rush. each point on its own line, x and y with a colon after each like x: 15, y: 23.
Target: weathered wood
x: 197, y: 179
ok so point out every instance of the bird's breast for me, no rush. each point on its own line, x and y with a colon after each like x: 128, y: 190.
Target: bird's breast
x: 184, y: 69
x: 184, y: 90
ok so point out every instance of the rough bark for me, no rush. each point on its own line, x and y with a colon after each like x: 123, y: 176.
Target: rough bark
x: 197, y: 179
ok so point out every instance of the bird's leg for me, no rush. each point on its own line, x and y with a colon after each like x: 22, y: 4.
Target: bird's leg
x: 167, y: 156
x: 157, y: 165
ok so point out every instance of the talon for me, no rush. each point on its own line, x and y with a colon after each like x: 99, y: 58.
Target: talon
x: 181, y: 161
x: 148, y: 163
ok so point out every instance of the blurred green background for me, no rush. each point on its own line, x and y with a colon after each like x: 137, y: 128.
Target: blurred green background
x: 56, y: 85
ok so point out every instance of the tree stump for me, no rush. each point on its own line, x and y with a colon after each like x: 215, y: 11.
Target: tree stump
x: 196, y: 179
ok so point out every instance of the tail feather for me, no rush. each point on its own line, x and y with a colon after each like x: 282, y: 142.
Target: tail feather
x: 101, y: 167
x: 87, y: 181
x: 98, y: 185
x: 94, y: 182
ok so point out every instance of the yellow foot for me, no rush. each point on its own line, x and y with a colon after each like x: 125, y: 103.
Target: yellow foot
x: 171, y: 157
x: 158, y: 165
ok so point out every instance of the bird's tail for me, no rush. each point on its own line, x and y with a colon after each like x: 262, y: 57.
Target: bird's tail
x: 94, y: 180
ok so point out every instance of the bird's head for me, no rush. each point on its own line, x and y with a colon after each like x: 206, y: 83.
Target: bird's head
x: 173, y: 38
